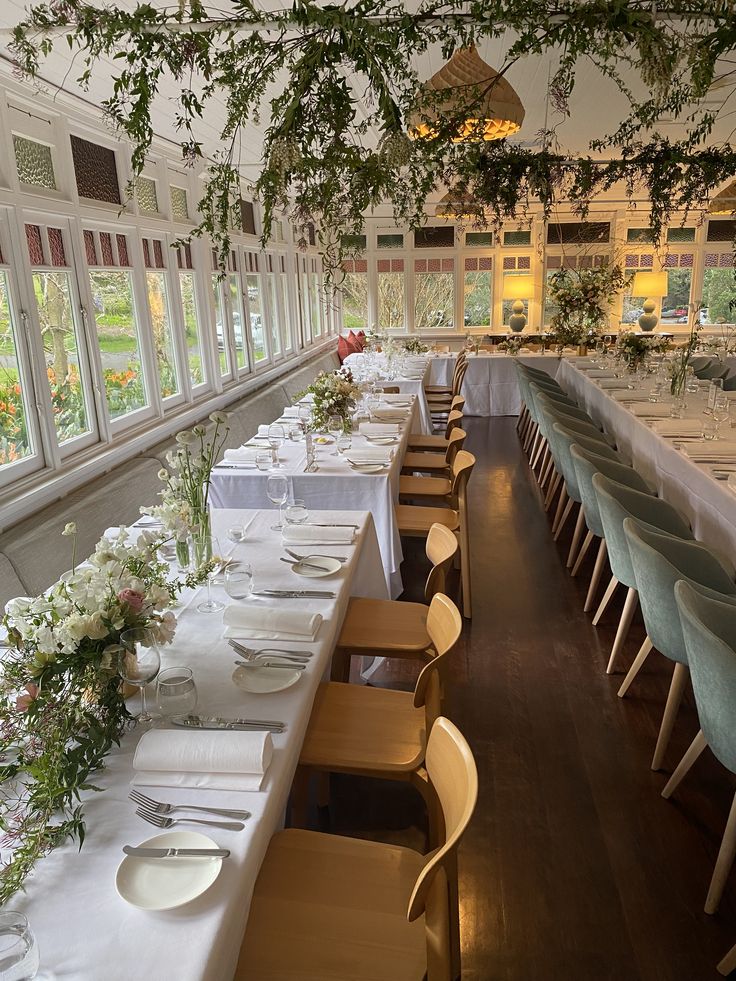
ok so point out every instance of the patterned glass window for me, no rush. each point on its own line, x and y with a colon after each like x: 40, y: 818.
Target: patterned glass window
x: 356, y: 243
x: 90, y: 247
x: 106, y: 248
x: 640, y: 235
x: 145, y: 192
x: 517, y: 238
x: 479, y: 240
x: 440, y: 237
x: 179, y: 204
x: 247, y: 217
x: 393, y: 241
x: 722, y: 231
x: 35, y: 245
x: 96, y: 171
x: 34, y: 162
x: 56, y: 247
x: 680, y: 235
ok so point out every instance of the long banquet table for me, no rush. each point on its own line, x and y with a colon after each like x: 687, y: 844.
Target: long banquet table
x: 709, y: 504
x: 363, y: 361
x: 490, y: 386
x: 85, y: 931
x: 334, y: 485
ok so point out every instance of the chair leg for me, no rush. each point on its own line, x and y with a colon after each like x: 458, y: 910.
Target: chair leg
x: 694, y: 750
x: 636, y: 666
x: 672, y: 706
x: 596, y: 577
x: 546, y: 456
x: 535, y: 445
x: 565, y: 515
x: 561, y: 502
x: 541, y: 444
x: 610, y: 589
x: 627, y: 615
x: 728, y: 964
x: 547, y: 475
x: 521, y: 421
x: 530, y: 436
x: 723, y: 862
x: 587, y: 542
x: 576, y: 536
x: 556, y: 481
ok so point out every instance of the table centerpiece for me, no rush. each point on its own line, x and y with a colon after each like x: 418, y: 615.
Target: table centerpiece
x: 334, y: 393
x: 582, y: 297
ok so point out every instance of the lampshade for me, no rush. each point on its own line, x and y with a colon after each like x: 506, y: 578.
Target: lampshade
x: 465, y: 80
x: 518, y: 287
x: 650, y: 284
x: 454, y: 206
x: 724, y: 203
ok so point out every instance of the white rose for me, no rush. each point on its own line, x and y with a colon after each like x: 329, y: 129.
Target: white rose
x: 70, y: 528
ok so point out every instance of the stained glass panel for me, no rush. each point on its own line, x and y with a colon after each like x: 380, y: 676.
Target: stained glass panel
x: 122, y: 244
x: 146, y: 254
x: 145, y: 192
x: 179, y: 205
x: 90, y: 247
x: 106, y: 249
x: 158, y: 254
x: 96, y: 171
x: 35, y: 245
x: 56, y: 247
x: 34, y: 162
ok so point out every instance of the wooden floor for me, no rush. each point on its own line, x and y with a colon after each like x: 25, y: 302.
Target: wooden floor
x: 574, y: 868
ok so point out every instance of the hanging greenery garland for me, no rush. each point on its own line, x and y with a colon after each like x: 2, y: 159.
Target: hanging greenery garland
x: 336, y: 139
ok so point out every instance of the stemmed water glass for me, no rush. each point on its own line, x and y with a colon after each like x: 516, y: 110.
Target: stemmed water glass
x: 139, y: 663
x: 721, y: 412
x: 335, y: 426
x: 275, y: 441
x: 211, y: 605
x: 277, y: 491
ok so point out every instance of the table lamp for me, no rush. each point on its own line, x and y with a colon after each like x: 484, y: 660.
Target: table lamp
x: 518, y: 288
x: 649, y: 284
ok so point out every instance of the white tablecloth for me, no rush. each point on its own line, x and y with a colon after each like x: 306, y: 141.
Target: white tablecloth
x: 410, y: 386
x: 708, y: 504
x: 335, y: 485
x: 85, y: 931
x: 490, y: 386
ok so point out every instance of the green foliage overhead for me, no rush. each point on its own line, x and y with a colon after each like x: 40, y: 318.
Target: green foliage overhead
x: 335, y: 132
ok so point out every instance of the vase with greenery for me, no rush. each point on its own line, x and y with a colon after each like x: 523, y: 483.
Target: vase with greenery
x: 634, y: 348
x: 582, y: 298
x: 334, y: 393
x: 61, y: 702
x: 413, y: 345
x: 681, y: 361
x: 512, y: 345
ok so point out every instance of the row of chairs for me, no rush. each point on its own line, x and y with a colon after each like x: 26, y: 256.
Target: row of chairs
x: 706, y: 367
x: 686, y: 590
x: 330, y: 907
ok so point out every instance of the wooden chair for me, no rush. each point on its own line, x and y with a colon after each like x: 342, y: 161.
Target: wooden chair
x: 440, y: 463
x: 439, y: 490
x: 444, y: 389
x: 442, y: 404
x: 390, y: 628
x: 435, y: 443
x: 329, y: 908
x: 416, y: 520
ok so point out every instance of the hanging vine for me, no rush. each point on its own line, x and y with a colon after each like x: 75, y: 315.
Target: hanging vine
x: 335, y: 142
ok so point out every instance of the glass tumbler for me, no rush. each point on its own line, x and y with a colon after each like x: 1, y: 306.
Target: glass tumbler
x: 176, y: 692
x: 19, y: 956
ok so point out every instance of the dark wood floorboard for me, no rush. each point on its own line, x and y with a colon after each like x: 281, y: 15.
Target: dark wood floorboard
x: 574, y: 867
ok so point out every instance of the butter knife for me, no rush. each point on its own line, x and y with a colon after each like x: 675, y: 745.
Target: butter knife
x: 295, y: 593
x: 176, y: 852
x: 218, y: 722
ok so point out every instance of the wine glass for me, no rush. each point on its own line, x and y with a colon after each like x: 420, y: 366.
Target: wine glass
x: 211, y: 605
x: 721, y: 412
x: 176, y: 692
x: 343, y: 443
x: 275, y: 441
x: 19, y: 955
x: 305, y: 415
x: 277, y: 491
x: 139, y: 663
x: 335, y: 426
x: 239, y: 582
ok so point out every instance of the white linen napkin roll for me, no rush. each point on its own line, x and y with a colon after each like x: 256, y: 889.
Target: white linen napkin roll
x: 661, y: 409
x: 379, y: 429
x: 305, y: 534
x: 608, y: 382
x: 208, y: 760
x: 598, y: 373
x: 678, y: 427
x: 721, y: 449
x: 402, y: 398
x: 291, y: 412
x: 240, y: 455
x: 268, y: 623
x: 369, y: 454
x: 389, y: 412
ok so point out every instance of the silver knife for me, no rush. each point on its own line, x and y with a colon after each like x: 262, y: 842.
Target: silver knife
x: 295, y: 593
x: 287, y: 665
x: 317, y: 524
x: 176, y: 852
x: 218, y: 722
x: 235, y: 466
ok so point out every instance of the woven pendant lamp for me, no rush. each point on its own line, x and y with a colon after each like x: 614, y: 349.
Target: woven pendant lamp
x: 467, y: 80
x: 453, y: 206
x: 724, y: 203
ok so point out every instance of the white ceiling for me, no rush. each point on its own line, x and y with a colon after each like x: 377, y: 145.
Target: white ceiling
x: 596, y: 106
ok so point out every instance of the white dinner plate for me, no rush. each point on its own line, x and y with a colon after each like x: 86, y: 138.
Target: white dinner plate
x: 328, y: 566
x: 383, y: 440
x: 165, y: 883
x: 262, y: 681
x: 368, y: 467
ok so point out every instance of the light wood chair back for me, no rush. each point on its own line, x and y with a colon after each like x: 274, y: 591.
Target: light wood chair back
x: 453, y: 420
x: 454, y: 778
x: 456, y: 442
x: 444, y: 626
x: 462, y: 467
x: 458, y: 403
x: 458, y: 377
x: 441, y: 549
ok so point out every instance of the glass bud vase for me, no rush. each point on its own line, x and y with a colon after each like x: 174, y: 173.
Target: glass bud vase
x: 183, y: 557
x: 201, y: 539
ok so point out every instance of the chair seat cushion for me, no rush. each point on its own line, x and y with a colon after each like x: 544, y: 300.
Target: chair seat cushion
x: 414, y: 520
x: 431, y: 443
x: 424, y: 487
x: 424, y: 461
x: 384, y: 626
x: 328, y: 908
x: 437, y: 390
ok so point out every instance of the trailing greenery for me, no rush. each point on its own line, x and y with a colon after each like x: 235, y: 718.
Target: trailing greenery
x: 582, y: 297
x: 336, y: 139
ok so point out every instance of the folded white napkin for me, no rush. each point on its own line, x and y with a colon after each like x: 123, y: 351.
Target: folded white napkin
x: 721, y: 449
x: 379, y: 429
x: 266, y: 623
x: 307, y: 534
x: 661, y: 409
x: 608, y: 382
x: 263, y: 428
x: 678, y: 427
x: 388, y: 412
x: 209, y: 760
x: 241, y: 455
x: 625, y: 395
x: 401, y: 397
x: 291, y: 412
x: 369, y: 454
x: 598, y: 373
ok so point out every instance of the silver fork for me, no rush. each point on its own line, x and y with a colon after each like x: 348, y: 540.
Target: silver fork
x: 300, y: 558
x: 159, y: 821
x: 250, y: 654
x: 157, y: 807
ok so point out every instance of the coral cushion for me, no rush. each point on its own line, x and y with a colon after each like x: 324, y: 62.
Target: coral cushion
x: 356, y: 339
x: 345, y: 347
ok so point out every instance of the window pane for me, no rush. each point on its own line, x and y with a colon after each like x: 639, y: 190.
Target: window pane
x: 478, y: 298
x: 479, y: 240
x: 314, y: 298
x: 256, y: 317
x: 179, y: 206
x: 355, y: 301
x: 158, y: 305
x: 60, y: 341
x: 275, y: 314
x: 675, y: 304
x: 640, y: 235
x: 34, y: 162
x: 391, y: 300
x: 117, y: 335
x: 15, y: 440
x: 284, y: 290
x: 434, y: 300
x: 390, y: 241
x: 355, y: 242
x: 719, y: 297
x: 222, y: 351
x: 145, y: 192
x: 507, y: 307
x: 517, y: 238
x: 551, y: 309
x: 236, y: 308
x: 96, y: 171
x: 633, y: 308
x: 191, y: 327
x: 680, y: 234
x: 434, y: 237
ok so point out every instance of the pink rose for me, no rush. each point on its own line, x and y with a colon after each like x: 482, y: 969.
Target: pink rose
x: 24, y: 702
x: 132, y: 598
